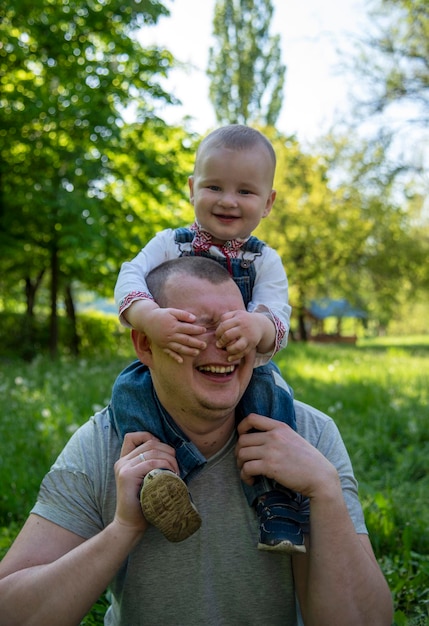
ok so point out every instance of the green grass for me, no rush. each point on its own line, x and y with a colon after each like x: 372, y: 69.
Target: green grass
x: 377, y: 392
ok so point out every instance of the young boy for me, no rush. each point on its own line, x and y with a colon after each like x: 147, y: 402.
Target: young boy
x: 231, y: 191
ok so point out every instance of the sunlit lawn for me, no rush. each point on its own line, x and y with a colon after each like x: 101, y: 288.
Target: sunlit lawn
x: 377, y: 392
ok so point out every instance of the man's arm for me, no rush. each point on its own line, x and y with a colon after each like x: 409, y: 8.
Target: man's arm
x: 338, y: 581
x: 53, y: 576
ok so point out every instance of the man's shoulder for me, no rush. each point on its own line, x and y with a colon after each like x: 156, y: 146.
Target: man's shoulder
x: 311, y: 422
x: 97, y: 433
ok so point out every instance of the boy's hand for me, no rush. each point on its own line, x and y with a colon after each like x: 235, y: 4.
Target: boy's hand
x: 239, y: 332
x: 175, y: 331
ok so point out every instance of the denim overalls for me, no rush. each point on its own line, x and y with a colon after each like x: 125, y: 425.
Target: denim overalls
x: 135, y: 407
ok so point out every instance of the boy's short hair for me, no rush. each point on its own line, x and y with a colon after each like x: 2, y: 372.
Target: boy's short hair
x: 236, y: 137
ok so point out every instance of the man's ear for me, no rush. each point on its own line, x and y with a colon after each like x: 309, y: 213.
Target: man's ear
x: 142, y: 347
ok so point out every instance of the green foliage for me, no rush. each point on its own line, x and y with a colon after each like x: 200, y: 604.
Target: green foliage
x: 102, y: 334
x: 148, y: 181
x: 64, y: 72
x: 26, y: 338
x: 411, y: 317
x: 336, y: 240
x: 68, y: 213
x: 393, y: 218
x: 46, y: 402
x: 7, y: 536
x: 391, y: 96
x: 245, y: 68
x: 319, y: 232
x: 96, y: 616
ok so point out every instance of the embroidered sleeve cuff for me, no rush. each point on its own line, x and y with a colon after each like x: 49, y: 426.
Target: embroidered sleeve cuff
x: 281, y: 331
x: 128, y: 300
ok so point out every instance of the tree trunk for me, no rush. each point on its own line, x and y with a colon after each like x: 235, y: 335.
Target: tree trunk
x: 301, y: 325
x: 302, y: 330
x: 71, y: 316
x: 31, y: 288
x: 28, y: 336
x: 53, y: 327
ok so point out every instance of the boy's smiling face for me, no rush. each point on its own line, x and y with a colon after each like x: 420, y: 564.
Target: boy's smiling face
x: 231, y: 191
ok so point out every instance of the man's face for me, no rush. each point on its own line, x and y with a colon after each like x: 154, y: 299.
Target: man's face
x: 202, y: 390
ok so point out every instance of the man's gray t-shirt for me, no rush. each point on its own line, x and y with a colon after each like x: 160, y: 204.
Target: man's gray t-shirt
x: 217, y: 577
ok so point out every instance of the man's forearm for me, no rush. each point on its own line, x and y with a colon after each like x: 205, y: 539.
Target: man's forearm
x: 343, y: 581
x: 63, y: 591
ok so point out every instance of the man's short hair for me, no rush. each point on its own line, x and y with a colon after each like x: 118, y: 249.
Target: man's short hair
x: 200, y: 267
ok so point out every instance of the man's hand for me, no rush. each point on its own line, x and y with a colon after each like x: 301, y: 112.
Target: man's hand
x: 130, y: 470
x: 271, y: 448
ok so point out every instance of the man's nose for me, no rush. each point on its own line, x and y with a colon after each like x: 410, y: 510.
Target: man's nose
x: 210, y: 338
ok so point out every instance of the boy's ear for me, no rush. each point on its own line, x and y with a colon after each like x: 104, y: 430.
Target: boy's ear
x: 191, y: 189
x: 142, y: 347
x: 270, y: 202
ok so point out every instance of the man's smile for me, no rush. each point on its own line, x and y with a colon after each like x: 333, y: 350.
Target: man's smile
x: 217, y: 369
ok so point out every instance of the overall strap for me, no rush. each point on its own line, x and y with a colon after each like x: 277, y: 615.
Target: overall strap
x: 255, y: 245
x: 183, y: 235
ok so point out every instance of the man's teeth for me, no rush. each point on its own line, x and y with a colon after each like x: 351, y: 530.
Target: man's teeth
x: 217, y: 369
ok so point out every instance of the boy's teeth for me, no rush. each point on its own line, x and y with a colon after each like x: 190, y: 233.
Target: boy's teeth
x: 217, y: 369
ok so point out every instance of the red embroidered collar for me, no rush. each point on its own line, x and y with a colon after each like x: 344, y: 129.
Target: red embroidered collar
x: 203, y: 240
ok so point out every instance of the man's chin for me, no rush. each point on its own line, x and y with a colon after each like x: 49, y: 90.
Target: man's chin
x: 221, y: 406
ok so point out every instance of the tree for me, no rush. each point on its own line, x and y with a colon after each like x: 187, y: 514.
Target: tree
x: 341, y: 236
x: 245, y: 68
x: 392, y: 87
x: 311, y: 226
x: 67, y: 71
x: 394, y: 58
x: 387, y: 170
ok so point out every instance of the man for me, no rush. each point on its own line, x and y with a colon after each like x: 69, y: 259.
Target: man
x: 87, y: 530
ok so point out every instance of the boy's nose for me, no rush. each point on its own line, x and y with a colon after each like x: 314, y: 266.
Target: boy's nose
x: 228, y: 199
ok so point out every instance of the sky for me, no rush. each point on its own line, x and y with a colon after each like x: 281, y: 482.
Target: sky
x: 311, y: 32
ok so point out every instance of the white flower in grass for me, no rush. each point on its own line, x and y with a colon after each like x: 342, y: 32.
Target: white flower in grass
x: 335, y: 407
x: 333, y: 366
